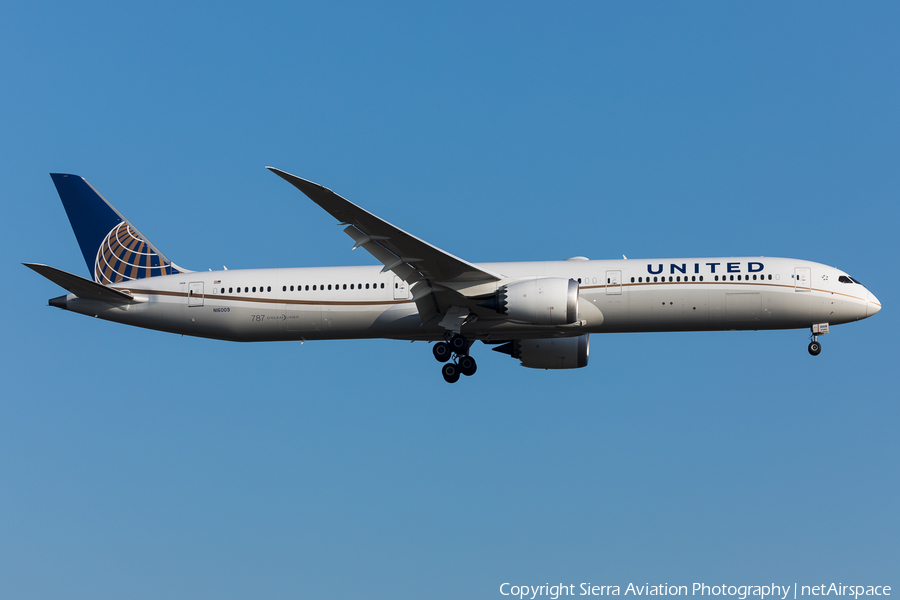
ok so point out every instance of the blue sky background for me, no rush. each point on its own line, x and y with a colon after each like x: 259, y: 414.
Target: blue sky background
x: 138, y: 464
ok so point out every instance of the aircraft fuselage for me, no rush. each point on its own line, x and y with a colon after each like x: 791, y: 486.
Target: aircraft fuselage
x: 634, y: 295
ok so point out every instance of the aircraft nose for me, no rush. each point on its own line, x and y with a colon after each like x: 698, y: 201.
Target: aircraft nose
x: 873, y: 305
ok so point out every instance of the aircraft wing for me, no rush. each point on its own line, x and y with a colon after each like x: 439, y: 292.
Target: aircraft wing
x: 397, y: 250
x: 426, y: 268
x: 81, y: 287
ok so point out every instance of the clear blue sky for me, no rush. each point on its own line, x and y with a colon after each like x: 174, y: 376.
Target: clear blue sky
x: 137, y: 464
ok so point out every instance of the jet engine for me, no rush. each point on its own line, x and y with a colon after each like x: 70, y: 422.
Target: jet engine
x: 550, y: 353
x: 538, y: 301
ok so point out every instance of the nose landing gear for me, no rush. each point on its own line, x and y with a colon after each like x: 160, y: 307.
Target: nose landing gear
x: 457, y: 347
x: 816, y: 330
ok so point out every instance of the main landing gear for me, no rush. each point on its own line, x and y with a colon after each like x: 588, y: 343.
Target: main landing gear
x: 457, y: 347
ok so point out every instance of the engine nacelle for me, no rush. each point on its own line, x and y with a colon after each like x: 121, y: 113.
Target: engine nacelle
x: 538, y: 301
x: 551, y: 353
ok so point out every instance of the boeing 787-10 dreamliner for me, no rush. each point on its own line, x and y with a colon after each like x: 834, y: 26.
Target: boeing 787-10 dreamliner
x: 541, y: 313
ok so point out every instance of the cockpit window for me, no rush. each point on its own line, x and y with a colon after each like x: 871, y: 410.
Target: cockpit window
x: 846, y: 279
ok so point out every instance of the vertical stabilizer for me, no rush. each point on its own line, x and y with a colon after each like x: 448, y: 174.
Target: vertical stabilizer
x: 114, y: 250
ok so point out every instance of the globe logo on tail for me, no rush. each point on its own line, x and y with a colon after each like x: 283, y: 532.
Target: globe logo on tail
x: 124, y: 255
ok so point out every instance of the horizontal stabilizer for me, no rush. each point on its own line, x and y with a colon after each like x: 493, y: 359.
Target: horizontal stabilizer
x: 81, y: 287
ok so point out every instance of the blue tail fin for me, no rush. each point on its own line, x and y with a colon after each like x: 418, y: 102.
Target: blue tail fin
x: 113, y: 248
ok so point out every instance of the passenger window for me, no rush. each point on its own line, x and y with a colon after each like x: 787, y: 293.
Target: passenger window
x: 382, y: 286
x: 632, y: 280
x: 351, y: 286
x: 367, y: 286
x: 329, y: 286
x: 579, y: 280
x: 246, y: 289
x: 654, y: 280
x: 701, y: 278
x: 229, y: 290
x: 717, y: 277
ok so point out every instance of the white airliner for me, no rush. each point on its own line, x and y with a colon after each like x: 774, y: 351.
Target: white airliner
x: 541, y: 313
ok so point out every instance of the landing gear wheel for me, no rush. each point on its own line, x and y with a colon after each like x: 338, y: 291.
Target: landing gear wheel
x: 450, y: 371
x: 815, y: 348
x: 459, y: 344
x: 442, y: 351
x: 467, y: 365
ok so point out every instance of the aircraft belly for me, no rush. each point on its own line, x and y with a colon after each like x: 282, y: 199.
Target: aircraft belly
x: 842, y: 309
x: 791, y: 309
x: 711, y: 307
x: 658, y: 308
x: 339, y: 321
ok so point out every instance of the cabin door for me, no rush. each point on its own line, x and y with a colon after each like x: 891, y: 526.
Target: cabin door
x: 802, y: 279
x: 195, y: 293
x: 399, y: 289
x: 613, y: 282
